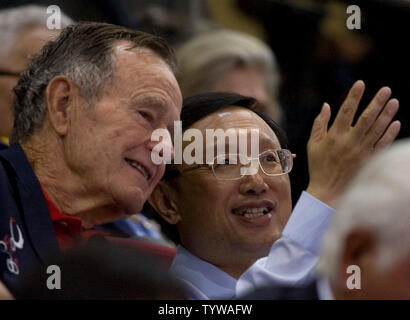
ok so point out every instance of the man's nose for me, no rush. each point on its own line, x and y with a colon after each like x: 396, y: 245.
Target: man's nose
x: 253, y: 184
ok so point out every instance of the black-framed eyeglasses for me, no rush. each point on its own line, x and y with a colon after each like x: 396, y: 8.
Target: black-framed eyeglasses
x: 6, y: 73
x: 235, y: 166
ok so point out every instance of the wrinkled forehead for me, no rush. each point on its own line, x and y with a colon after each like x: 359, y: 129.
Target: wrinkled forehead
x: 128, y: 57
x: 144, y: 71
x: 238, y: 119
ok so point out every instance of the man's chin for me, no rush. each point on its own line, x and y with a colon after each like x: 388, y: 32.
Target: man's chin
x: 260, y: 245
x: 132, y: 202
x: 122, y: 209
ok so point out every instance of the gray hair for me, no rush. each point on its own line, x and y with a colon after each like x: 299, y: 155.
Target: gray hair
x: 83, y: 52
x: 203, y: 59
x: 378, y: 199
x: 16, y: 20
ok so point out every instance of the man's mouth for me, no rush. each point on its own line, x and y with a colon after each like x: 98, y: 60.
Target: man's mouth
x: 253, y: 212
x: 140, y: 167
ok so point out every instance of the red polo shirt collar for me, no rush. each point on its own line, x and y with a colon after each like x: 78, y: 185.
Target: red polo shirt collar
x: 69, y: 232
x: 68, y: 229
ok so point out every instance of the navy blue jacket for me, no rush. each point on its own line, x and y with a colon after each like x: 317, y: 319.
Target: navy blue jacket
x: 27, y: 236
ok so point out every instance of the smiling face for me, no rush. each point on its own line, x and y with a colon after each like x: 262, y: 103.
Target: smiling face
x: 221, y: 220
x: 108, y: 145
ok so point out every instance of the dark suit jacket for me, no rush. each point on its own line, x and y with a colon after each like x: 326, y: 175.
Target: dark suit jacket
x: 2, y: 146
x: 306, y: 292
x: 27, y: 236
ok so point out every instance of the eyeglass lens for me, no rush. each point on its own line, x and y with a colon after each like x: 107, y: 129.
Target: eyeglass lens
x: 272, y: 162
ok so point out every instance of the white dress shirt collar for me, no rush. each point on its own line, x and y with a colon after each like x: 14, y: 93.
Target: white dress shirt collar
x: 196, y: 273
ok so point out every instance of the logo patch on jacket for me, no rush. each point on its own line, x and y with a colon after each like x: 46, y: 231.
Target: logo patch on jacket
x: 9, y: 245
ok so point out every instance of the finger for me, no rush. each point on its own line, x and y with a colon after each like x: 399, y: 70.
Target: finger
x: 319, y: 128
x: 370, y: 114
x: 381, y: 124
x: 389, y: 136
x: 344, y: 117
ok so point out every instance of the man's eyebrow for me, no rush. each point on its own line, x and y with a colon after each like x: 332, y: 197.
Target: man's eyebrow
x: 151, y: 101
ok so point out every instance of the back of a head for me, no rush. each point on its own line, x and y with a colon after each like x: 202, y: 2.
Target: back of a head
x: 378, y: 199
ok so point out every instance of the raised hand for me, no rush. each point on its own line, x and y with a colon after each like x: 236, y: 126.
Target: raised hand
x: 335, y: 154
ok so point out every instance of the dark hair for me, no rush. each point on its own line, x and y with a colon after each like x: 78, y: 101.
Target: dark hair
x: 84, y: 53
x: 199, y: 106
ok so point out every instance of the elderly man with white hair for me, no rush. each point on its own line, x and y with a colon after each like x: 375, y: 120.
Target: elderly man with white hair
x: 23, y: 31
x: 371, y: 231
x: 366, y: 251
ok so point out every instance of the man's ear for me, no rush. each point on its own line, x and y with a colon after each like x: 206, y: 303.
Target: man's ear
x: 161, y: 201
x: 358, y: 250
x: 59, y: 98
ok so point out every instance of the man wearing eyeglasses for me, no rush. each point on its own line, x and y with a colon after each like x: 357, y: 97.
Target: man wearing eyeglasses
x: 227, y: 219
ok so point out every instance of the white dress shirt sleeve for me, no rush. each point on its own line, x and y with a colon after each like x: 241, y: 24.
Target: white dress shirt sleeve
x: 293, y: 257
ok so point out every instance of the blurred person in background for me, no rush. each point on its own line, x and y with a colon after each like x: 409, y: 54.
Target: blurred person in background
x: 230, y: 61
x: 23, y: 31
